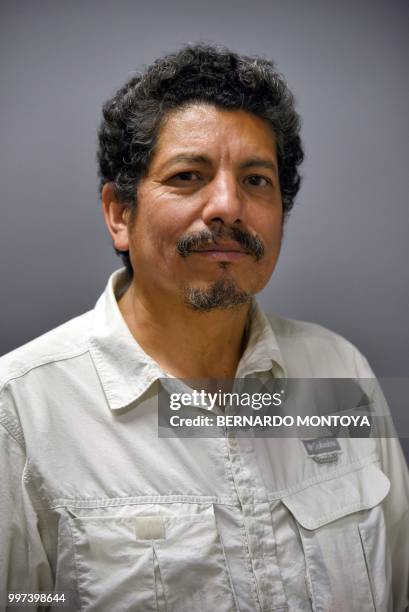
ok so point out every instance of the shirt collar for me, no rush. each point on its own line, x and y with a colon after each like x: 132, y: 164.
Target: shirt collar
x: 126, y: 372
x: 262, y: 352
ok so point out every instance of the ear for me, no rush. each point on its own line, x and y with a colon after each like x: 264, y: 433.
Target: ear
x: 116, y: 217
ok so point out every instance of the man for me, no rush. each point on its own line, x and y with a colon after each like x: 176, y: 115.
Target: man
x: 198, y: 161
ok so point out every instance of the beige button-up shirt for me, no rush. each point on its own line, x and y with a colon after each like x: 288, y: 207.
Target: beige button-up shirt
x: 95, y: 505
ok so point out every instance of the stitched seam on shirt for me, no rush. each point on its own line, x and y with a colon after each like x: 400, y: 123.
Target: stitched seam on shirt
x: 228, y: 472
x: 246, y: 550
x: 228, y: 573
x: 371, y: 578
x: 47, y: 360
x: 256, y: 589
x: 277, y: 559
x: 244, y: 538
x: 143, y: 499
x: 105, y: 377
x: 266, y: 560
x: 243, y: 530
x: 75, y: 564
x: 357, y: 465
x: 13, y: 430
x: 326, y: 518
x: 150, y: 375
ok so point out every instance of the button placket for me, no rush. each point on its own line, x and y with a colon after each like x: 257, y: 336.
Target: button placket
x: 258, y: 523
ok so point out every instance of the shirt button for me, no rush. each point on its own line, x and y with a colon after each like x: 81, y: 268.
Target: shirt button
x: 232, y: 442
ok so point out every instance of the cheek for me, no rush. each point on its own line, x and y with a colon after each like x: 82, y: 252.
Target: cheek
x: 166, y: 221
x: 271, y: 233
x: 265, y: 268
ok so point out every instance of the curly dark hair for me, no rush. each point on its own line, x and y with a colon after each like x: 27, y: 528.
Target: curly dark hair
x: 203, y: 74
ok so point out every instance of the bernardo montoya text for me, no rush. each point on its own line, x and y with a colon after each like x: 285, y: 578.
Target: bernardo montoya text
x: 255, y: 420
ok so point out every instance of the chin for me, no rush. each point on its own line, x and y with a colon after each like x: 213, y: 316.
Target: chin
x: 223, y: 294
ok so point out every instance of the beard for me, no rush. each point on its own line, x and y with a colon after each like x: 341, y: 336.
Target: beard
x: 223, y: 294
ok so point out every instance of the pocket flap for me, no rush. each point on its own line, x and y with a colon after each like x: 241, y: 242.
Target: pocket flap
x: 329, y: 500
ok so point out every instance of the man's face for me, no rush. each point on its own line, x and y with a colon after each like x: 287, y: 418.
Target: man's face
x: 208, y: 220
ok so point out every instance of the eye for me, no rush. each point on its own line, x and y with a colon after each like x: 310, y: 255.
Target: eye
x: 257, y: 180
x: 185, y: 177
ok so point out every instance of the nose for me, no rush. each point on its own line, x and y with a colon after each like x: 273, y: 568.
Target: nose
x: 224, y: 203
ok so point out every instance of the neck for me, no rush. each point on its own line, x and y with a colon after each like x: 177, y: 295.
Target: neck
x: 186, y: 343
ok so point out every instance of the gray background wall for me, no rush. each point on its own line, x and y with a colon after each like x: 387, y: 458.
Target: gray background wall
x: 345, y: 256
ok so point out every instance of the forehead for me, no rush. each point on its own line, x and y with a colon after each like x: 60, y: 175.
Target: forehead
x: 203, y: 128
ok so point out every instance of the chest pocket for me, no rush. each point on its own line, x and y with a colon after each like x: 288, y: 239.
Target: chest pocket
x: 150, y: 557
x: 342, y: 530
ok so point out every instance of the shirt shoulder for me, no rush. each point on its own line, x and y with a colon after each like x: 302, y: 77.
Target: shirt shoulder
x: 310, y: 349
x: 292, y: 328
x: 63, y: 342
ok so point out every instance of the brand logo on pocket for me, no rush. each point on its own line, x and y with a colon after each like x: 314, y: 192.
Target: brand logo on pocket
x: 321, y: 446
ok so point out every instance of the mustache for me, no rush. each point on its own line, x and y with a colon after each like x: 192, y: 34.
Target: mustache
x: 190, y: 242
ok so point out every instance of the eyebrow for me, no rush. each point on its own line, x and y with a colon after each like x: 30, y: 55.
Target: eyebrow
x: 185, y: 157
x: 259, y: 162
x: 253, y: 162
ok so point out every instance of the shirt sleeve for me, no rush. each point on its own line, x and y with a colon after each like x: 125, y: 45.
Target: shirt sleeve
x: 396, y: 503
x: 24, y: 567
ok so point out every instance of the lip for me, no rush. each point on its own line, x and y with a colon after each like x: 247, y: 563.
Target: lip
x: 227, y: 247
x: 221, y: 255
x: 222, y: 252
